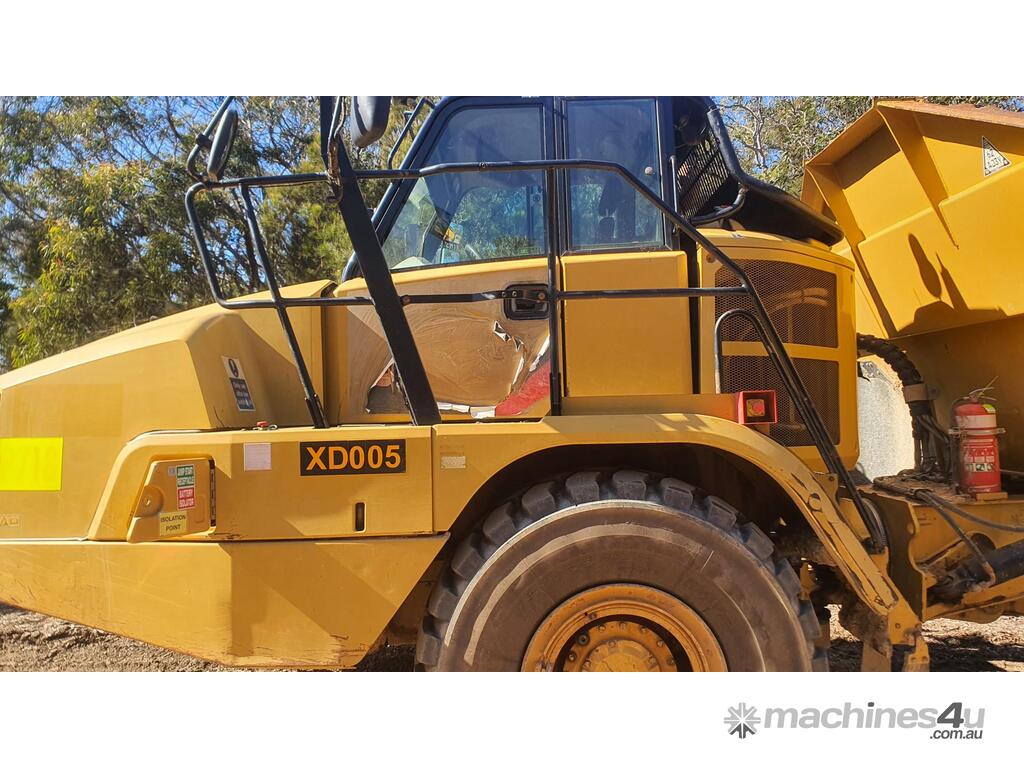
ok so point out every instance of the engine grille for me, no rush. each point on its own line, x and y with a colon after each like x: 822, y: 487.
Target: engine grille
x: 801, y: 302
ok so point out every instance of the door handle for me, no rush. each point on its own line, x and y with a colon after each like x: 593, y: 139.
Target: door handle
x: 526, y: 302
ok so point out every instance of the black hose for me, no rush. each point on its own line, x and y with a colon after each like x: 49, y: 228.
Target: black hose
x: 940, y: 506
x: 939, y: 501
x: 893, y: 355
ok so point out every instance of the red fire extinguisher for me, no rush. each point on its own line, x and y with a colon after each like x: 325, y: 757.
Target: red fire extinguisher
x: 976, y: 430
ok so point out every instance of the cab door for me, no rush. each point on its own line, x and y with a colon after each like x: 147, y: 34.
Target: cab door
x: 460, y: 233
x: 621, y: 355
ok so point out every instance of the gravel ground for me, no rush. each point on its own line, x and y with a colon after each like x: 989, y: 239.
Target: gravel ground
x: 32, y: 642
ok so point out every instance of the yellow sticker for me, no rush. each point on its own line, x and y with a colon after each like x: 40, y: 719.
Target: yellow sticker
x: 31, y: 463
x: 173, y: 523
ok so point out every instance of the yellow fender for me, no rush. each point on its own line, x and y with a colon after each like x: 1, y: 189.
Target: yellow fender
x: 467, y: 455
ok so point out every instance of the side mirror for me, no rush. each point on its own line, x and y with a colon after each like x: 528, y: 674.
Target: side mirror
x: 370, y: 116
x: 223, y: 140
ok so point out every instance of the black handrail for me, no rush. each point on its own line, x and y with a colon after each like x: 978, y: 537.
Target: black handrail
x: 316, y: 410
x: 423, y: 415
x: 406, y: 128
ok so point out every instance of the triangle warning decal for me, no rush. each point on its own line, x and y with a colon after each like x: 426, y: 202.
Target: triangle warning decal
x: 992, y: 159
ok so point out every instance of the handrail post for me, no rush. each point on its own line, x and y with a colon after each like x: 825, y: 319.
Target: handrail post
x: 316, y: 411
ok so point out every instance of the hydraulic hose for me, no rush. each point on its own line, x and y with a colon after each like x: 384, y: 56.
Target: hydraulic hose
x: 893, y: 355
x: 942, y: 508
x: 989, y: 569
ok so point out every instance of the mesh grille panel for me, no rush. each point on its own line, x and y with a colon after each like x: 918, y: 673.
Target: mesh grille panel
x: 821, y: 377
x: 700, y: 176
x: 800, y: 300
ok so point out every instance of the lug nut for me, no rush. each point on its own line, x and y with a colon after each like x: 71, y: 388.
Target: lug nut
x: 583, y: 639
x: 572, y: 656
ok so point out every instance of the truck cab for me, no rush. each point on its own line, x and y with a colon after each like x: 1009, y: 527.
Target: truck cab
x: 470, y: 232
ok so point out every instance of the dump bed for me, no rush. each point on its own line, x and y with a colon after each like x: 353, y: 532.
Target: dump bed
x: 930, y: 199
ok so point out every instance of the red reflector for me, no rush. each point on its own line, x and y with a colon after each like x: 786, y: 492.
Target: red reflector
x: 756, y: 407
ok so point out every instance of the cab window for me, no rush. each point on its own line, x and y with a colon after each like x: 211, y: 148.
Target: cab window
x: 458, y: 217
x: 606, y: 211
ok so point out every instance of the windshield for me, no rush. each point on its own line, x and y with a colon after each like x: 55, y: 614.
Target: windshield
x: 453, y: 218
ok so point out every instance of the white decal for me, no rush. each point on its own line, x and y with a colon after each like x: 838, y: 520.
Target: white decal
x: 992, y: 159
x: 257, y: 457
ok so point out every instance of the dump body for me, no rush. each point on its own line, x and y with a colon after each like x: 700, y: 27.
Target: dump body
x: 929, y: 199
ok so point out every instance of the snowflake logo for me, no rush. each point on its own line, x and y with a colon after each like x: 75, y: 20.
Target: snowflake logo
x: 742, y: 720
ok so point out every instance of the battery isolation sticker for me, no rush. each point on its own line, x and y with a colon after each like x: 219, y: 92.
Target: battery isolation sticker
x: 239, y: 386
x: 186, y: 481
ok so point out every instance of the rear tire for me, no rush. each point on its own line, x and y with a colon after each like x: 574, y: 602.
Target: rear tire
x: 622, y: 571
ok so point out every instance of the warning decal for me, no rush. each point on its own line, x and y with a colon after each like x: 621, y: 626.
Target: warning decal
x: 239, y: 386
x: 186, y: 481
x: 992, y: 159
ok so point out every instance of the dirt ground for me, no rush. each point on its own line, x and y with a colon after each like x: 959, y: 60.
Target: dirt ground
x: 32, y: 642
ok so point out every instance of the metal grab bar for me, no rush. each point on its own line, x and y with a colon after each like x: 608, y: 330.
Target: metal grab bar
x: 406, y: 128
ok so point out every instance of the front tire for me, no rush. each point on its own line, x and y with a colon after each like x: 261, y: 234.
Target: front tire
x: 622, y: 571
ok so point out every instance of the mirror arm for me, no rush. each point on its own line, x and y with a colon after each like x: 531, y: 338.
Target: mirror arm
x: 332, y: 118
x: 203, y: 140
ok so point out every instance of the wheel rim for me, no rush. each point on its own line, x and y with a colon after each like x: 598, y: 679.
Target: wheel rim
x: 623, y: 628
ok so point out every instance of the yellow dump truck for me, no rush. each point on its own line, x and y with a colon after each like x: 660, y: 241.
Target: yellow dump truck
x: 584, y: 398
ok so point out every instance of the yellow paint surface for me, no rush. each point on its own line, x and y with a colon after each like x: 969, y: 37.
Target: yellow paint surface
x: 296, y: 603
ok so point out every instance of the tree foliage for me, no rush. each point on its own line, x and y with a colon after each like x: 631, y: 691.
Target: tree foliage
x: 93, y: 232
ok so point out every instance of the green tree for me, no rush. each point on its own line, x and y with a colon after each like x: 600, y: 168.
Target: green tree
x: 93, y: 232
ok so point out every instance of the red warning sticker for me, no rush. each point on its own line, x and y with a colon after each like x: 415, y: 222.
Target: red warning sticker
x: 186, y: 497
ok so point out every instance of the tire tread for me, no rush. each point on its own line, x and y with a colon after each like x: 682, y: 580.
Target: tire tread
x: 587, y: 486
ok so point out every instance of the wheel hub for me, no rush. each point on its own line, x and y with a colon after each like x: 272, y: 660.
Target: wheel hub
x: 619, y: 646
x: 623, y: 628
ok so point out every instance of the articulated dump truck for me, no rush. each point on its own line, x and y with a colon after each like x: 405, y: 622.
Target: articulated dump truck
x: 584, y: 398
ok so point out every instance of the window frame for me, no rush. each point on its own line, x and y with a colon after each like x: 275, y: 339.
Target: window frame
x: 662, y: 132
x: 555, y: 130
x: 396, y: 196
